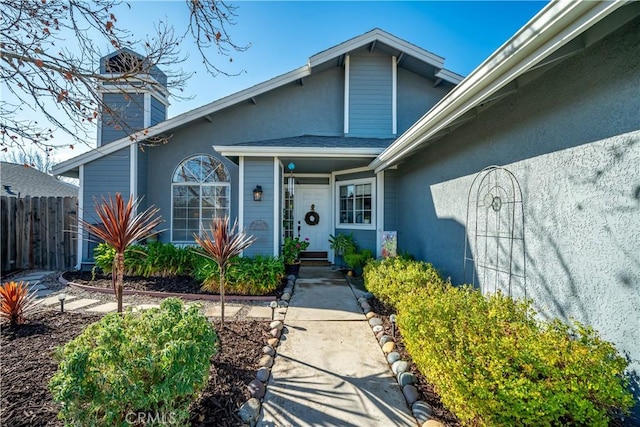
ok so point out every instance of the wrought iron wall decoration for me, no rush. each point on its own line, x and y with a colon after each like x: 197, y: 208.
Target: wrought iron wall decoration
x: 494, y: 253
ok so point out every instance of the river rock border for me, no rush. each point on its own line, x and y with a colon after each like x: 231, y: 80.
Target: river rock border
x: 249, y: 412
x: 420, y: 409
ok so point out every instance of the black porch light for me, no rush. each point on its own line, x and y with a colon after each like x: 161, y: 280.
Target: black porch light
x: 257, y: 193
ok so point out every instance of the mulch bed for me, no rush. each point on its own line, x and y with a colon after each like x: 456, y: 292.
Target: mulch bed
x: 27, y: 366
x: 440, y: 413
x: 176, y: 284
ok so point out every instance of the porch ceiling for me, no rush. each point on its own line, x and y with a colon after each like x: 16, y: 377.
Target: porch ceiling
x: 316, y: 165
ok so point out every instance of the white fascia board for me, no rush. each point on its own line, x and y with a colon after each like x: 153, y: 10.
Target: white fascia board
x: 449, y: 76
x: 557, y: 24
x: 183, y: 119
x: 383, y: 37
x: 233, y: 150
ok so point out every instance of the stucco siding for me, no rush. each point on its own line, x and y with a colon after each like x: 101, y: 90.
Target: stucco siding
x: 130, y: 108
x: 258, y: 216
x: 103, y: 177
x: 158, y: 111
x: 572, y: 140
x: 370, y: 95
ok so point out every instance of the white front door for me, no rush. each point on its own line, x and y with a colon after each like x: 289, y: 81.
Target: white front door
x: 319, y: 197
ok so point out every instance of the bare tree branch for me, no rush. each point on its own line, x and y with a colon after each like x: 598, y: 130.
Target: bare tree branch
x: 49, y: 57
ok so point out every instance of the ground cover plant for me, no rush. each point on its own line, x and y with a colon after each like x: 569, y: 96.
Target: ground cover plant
x: 492, y: 361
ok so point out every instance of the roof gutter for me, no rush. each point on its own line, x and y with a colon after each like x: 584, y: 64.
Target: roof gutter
x: 557, y: 24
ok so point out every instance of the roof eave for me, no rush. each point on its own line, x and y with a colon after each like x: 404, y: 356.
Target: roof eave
x: 551, y: 28
x: 326, y: 152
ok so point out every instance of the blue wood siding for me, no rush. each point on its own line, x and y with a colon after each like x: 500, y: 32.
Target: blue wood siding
x: 416, y: 96
x: 103, y: 177
x: 390, y: 200
x: 131, y: 109
x: 143, y: 166
x: 158, y: 111
x: 258, y: 216
x: 370, y: 95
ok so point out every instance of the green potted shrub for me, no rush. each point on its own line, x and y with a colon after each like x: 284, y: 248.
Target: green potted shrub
x: 357, y: 260
x: 342, y: 244
x: 291, y: 250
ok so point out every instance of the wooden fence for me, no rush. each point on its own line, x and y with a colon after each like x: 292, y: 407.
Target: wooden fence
x: 38, y: 232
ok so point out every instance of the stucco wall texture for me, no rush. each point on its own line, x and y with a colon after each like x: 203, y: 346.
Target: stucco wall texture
x: 572, y: 140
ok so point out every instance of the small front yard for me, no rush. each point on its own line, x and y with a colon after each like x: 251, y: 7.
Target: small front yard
x: 27, y: 366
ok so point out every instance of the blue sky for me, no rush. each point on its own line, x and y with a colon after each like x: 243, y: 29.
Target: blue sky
x: 283, y: 35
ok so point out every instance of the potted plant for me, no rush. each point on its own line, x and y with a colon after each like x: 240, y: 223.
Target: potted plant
x: 357, y: 260
x: 291, y: 250
x: 342, y: 243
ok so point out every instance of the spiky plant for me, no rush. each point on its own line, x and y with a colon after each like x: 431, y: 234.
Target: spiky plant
x: 15, y: 302
x: 121, y: 225
x: 221, y: 244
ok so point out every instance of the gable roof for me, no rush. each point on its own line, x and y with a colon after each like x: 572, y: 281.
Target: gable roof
x: 20, y: 180
x: 408, y: 56
x: 558, y: 31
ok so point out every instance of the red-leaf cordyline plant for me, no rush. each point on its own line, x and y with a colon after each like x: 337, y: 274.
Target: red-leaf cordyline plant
x: 221, y: 244
x: 15, y: 302
x: 121, y: 225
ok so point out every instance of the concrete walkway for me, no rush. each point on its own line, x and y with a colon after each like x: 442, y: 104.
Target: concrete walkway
x: 329, y: 369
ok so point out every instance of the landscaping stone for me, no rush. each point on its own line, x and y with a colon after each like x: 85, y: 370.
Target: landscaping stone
x: 275, y: 332
x: 378, y: 328
x: 267, y: 349
x: 273, y: 342
x: 399, y: 366
x: 365, y: 305
x: 389, y: 347
x: 393, y: 357
x: 81, y: 303
x: 263, y: 374
x: 290, y: 282
x: 422, y: 411
x: 286, y: 296
x: 276, y: 324
x: 380, y: 334
x: 406, y: 378
x: 367, y: 295
x: 292, y: 277
x: 249, y: 411
x: 283, y: 304
x: 256, y: 389
x: 361, y: 300
x: 375, y: 321
x: 266, y: 361
x: 410, y: 393
x: 433, y: 423
x: 370, y: 315
x: 385, y: 339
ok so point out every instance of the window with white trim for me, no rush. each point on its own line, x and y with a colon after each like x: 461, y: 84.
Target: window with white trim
x: 356, y: 202
x: 200, y: 192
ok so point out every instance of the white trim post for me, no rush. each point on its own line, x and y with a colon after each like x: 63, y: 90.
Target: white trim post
x: 277, y: 221
x: 394, y: 95
x: 241, y: 193
x: 379, y: 212
x: 80, y: 217
x: 346, y: 94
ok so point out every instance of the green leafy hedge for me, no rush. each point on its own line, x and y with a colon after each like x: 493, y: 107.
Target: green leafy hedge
x: 492, y: 361
x: 256, y: 275
x: 153, y: 259
x: 152, y: 362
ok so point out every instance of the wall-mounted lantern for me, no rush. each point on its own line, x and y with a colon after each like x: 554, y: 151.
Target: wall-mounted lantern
x: 257, y: 193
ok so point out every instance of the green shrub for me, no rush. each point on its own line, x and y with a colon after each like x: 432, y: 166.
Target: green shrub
x: 256, y: 275
x: 392, y: 279
x: 494, y: 364
x: 151, y: 362
x: 153, y: 259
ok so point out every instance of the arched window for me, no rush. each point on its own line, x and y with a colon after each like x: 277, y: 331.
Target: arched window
x: 200, y: 191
